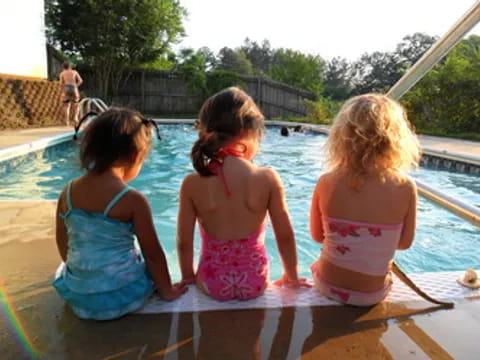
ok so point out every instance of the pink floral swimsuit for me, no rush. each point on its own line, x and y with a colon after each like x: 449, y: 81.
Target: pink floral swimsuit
x: 233, y: 269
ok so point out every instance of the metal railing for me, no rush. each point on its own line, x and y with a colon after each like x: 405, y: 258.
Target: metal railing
x: 88, y: 109
x: 87, y: 105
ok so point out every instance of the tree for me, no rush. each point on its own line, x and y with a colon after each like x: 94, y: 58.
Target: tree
x: 377, y: 72
x: 338, y: 77
x: 298, y: 69
x: 234, y: 61
x: 261, y: 56
x: 209, y: 56
x: 446, y: 101
x: 111, y: 35
x: 412, y: 47
x: 193, y: 65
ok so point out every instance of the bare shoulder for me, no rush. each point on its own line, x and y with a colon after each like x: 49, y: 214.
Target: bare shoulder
x: 327, y: 180
x: 405, y: 187
x: 191, y: 180
x: 410, y: 186
x: 269, y: 175
x: 136, y: 200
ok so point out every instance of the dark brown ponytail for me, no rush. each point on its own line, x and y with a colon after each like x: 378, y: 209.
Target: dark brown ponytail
x: 223, y: 117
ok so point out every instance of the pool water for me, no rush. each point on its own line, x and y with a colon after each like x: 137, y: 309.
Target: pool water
x: 443, y: 241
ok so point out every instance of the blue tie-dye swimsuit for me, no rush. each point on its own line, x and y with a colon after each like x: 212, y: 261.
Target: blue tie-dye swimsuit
x: 104, y: 276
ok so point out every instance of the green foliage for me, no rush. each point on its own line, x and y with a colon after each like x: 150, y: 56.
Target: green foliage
x: 111, y: 35
x: 260, y: 56
x: 164, y: 62
x: 446, y: 100
x: 338, y: 79
x: 234, y: 61
x: 298, y: 69
x: 193, y: 66
x: 322, y: 111
x: 220, y: 79
x: 378, y: 71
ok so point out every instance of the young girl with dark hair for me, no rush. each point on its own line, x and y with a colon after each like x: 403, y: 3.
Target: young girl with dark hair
x: 98, y: 218
x: 230, y: 197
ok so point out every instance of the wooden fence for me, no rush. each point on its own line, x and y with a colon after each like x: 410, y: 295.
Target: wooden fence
x: 160, y: 92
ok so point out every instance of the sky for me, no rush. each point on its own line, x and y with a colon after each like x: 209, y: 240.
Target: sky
x: 346, y: 28
x: 22, y: 38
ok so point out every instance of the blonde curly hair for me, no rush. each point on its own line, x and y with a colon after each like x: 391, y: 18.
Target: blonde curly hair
x: 372, y: 136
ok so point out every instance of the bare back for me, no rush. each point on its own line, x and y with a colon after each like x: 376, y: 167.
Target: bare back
x: 387, y: 203
x: 240, y: 214
x: 375, y: 202
x: 70, y: 77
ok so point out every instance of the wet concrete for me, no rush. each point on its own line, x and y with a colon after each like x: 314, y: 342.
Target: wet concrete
x: 28, y: 258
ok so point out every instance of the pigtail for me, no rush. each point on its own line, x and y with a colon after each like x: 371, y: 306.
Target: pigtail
x: 204, y: 150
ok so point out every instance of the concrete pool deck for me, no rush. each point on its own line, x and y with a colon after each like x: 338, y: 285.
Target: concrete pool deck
x: 28, y: 258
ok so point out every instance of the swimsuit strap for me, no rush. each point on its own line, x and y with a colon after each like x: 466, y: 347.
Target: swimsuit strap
x: 115, y: 199
x: 216, y: 167
x: 69, y: 196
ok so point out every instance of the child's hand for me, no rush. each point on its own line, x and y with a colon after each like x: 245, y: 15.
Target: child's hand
x: 294, y: 283
x: 175, y: 291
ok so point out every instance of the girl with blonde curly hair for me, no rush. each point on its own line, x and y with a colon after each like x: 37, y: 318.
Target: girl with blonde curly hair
x: 364, y: 207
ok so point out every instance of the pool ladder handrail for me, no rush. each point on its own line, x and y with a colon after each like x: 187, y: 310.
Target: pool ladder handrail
x: 87, y: 105
x: 89, y: 108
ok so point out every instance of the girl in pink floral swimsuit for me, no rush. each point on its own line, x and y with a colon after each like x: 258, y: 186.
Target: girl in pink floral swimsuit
x: 364, y: 208
x: 230, y: 197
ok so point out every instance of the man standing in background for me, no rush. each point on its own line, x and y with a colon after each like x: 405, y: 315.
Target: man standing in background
x: 70, y: 81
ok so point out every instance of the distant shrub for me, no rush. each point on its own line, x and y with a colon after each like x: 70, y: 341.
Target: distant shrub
x: 220, y: 79
x: 322, y: 111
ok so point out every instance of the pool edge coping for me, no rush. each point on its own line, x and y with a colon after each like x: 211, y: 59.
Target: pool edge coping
x: 11, y: 152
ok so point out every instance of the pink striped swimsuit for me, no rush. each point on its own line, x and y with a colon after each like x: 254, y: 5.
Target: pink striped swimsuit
x: 233, y: 269
x: 357, y: 246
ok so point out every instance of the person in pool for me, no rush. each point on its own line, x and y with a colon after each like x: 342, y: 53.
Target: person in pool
x: 364, y: 207
x: 230, y: 198
x: 98, y: 219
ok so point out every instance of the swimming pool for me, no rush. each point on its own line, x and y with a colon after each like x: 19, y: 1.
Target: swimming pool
x: 443, y: 242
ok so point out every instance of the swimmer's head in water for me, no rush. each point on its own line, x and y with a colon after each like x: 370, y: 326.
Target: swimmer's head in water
x: 225, y: 118
x: 118, y: 135
x: 284, y: 131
